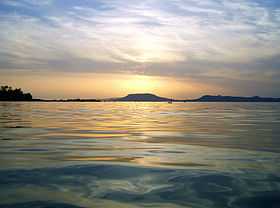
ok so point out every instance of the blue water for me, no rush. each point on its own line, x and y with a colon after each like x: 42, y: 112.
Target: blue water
x: 73, y: 155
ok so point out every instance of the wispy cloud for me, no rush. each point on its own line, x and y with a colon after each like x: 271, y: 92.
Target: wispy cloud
x: 183, y: 38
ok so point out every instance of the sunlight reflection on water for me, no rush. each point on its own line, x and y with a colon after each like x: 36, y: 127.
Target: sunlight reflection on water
x: 217, y: 143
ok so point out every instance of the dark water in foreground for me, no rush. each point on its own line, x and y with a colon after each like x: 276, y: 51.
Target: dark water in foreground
x: 74, y: 155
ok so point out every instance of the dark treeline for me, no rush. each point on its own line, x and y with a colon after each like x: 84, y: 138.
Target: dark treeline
x: 9, y: 94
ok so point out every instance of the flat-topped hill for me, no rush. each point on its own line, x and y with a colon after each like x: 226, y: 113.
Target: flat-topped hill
x: 143, y: 97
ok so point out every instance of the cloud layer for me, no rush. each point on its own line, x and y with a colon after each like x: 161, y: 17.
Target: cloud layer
x: 217, y: 41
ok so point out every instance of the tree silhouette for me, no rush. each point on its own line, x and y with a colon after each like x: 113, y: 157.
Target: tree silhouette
x: 7, y: 93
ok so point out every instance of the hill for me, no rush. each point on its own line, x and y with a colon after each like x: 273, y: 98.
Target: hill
x: 142, y: 97
x: 220, y: 98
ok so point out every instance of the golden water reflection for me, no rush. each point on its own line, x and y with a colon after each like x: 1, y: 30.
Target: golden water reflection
x: 205, y: 155
x: 183, y: 135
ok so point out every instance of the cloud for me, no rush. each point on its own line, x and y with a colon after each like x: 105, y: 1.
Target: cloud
x: 181, y: 38
x: 26, y: 3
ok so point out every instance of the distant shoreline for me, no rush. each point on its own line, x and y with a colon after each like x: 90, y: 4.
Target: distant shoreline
x: 8, y: 94
x: 266, y: 100
x: 147, y: 97
x: 57, y: 101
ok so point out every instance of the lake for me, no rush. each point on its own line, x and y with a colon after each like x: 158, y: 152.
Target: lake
x: 200, y: 155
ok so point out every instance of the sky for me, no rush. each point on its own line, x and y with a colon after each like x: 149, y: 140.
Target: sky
x: 108, y: 48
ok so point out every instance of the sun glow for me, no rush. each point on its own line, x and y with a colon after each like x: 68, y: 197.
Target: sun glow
x: 97, y: 85
x: 147, y: 48
x: 140, y: 83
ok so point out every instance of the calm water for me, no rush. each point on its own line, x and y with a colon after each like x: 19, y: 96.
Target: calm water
x: 74, y: 155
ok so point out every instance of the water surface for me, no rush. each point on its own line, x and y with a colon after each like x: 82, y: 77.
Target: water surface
x: 139, y: 155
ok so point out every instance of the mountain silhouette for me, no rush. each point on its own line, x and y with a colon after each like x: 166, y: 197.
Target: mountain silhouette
x: 148, y: 97
x: 142, y: 97
x: 220, y: 98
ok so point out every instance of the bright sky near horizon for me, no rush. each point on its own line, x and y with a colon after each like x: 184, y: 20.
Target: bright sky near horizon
x: 107, y: 48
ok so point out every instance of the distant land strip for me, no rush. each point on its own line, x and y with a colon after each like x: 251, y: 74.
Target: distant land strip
x: 9, y: 94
